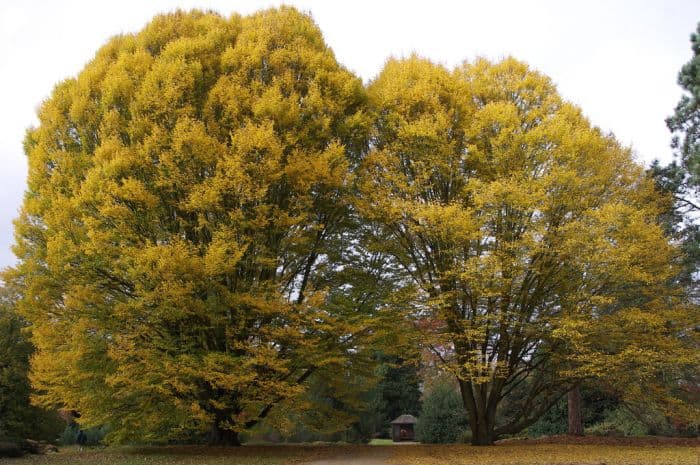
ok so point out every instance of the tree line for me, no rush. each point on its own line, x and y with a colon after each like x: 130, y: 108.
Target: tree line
x: 222, y: 222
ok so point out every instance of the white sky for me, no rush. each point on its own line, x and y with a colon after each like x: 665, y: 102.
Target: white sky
x: 618, y: 60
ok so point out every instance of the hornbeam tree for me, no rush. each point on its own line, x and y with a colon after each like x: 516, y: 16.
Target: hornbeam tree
x: 521, y: 225
x: 186, y: 193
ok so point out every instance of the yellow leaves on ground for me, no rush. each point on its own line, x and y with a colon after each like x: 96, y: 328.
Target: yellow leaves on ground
x: 545, y: 454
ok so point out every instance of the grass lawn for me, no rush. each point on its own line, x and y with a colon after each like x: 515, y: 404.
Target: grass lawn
x: 509, y: 453
x: 176, y: 455
x: 381, y: 442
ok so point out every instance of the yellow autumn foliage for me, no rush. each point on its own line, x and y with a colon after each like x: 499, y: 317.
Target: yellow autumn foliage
x: 531, y: 236
x: 219, y: 214
x: 186, y: 193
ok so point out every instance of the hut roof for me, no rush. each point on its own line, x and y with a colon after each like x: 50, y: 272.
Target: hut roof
x: 405, y: 420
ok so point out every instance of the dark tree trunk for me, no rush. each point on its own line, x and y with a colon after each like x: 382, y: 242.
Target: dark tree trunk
x: 575, y: 416
x: 483, y: 437
x: 482, y: 423
x: 223, y: 437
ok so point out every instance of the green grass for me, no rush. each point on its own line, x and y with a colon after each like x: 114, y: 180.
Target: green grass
x: 381, y: 442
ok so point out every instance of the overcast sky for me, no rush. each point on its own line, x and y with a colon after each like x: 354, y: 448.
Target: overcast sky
x: 618, y: 60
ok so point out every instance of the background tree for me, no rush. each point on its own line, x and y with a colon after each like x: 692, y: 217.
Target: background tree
x: 18, y: 418
x: 679, y: 219
x: 443, y: 419
x: 680, y: 179
x: 596, y: 405
x: 397, y: 393
x: 574, y: 411
x: 685, y: 122
x: 517, y: 221
x: 14, y: 371
x: 352, y: 404
x: 185, y: 194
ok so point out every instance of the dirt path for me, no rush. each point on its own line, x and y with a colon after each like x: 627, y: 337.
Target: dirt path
x: 365, y: 456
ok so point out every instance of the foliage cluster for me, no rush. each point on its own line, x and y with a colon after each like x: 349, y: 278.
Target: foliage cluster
x: 685, y: 122
x: 619, y: 422
x: 14, y: 367
x: 681, y: 178
x: 596, y: 407
x: 18, y: 418
x: 90, y: 437
x: 526, y: 233
x: 397, y: 393
x: 443, y: 419
x: 183, y: 236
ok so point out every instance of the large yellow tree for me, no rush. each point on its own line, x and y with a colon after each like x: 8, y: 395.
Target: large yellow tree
x: 187, y: 195
x: 527, y: 232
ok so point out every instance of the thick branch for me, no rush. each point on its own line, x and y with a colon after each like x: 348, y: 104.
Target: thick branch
x: 266, y: 410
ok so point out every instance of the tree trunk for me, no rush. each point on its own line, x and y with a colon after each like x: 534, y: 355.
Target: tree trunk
x: 480, y: 422
x: 575, y: 417
x: 483, y: 436
x: 223, y: 437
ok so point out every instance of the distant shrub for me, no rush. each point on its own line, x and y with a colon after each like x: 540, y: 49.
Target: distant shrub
x: 596, y: 405
x: 443, y: 419
x: 554, y: 421
x: 619, y: 422
x: 93, y: 436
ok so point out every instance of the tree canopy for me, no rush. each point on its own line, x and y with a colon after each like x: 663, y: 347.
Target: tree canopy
x: 685, y: 122
x: 18, y: 418
x: 187, y: 194
x: 443, y: 419
x: 681, y: 178
x: 221, y: 219
x: 517, y: 221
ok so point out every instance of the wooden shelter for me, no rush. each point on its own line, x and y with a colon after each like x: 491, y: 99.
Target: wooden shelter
x: 403, y: 428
